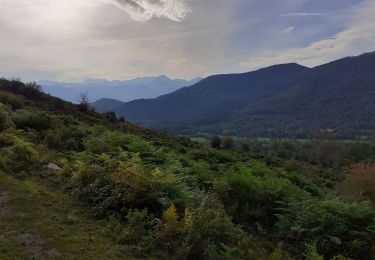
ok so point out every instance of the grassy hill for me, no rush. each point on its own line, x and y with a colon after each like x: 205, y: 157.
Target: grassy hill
x: 75, y: 184
x: 280, y: 101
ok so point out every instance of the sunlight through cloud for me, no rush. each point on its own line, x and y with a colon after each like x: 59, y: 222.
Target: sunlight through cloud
x: 144, y: 10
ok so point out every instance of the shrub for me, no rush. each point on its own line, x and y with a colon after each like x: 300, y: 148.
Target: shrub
x: 359, y: 183
x: 216, y: 142
x: 107, y: 142
x: 245, y: 148
x: 15, y: 101
x: 170, y: 235
x: 252, y: 199
x: 32, y: 119
x: 228, y: 143
x: 210, y: 230
x: 23, y: 155
x: 334, y: 226
x: 5, y: 118
x: 140, y: 228
x: 7, y: 139
x: 63, y: 137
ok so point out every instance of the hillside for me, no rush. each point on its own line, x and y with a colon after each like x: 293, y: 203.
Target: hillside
x: 279, y: 101
x: 126, y: 90
x: 75, y: 184
x: 106, y: 104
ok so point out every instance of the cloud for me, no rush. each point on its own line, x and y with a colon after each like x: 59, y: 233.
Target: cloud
x: 144, y: 10
x: 75, y: 40
x: 357, y: 38
x: 288, y: 30
x: 302, y: 14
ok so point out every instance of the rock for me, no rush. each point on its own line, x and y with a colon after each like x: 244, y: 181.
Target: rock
x: 52, y: 166
x: 5, y: 150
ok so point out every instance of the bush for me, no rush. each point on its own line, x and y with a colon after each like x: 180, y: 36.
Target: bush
x: 210, y: 230
x: 107, y: 142
x: 252, y: 197
x: 63, y: 137
x: 228, y: 143
x: 216, y: 142
x: 359, y: 183
x: 32, y: 119
x: 245, y: 148
x: 334, y: 226
x: 15, y: 101
x: 140, y: 229
x: 23, y: 155
x: 5, y: 118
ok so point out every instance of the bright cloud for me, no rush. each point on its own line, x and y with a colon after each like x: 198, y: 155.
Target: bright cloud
x: 144, y: 10
x: 288, y: 30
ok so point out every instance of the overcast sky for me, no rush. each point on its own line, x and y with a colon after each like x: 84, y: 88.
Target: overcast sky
x: 72, y: 40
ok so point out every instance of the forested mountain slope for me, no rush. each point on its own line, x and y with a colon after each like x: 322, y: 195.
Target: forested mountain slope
x: 215, y: 97
x: 75, y: 184
x: 279, y: 101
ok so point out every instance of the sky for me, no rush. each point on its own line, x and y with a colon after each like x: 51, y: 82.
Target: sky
x: 73, y: 40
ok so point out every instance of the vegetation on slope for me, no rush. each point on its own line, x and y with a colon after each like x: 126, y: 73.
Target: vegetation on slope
x: 161, y: 197
x: 37, y: 222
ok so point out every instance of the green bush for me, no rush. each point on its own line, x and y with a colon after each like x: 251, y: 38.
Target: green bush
x: 23, y: 155
x: 210, y: 230
x: 107, y: 142
x: 334, y: 226
x: 5, y: 118
x: 15, y: 101
x: 253, y: 200
x: 140, y: 230
x: 62, y: 137
x: 32, y: 119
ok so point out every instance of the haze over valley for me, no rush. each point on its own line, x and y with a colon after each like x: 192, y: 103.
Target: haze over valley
x: 126, y: 90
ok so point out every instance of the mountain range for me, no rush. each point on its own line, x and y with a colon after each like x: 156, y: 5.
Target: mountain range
x: 127, y: 90
x: 287, y: 100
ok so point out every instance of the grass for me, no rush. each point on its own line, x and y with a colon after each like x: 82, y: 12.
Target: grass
x: 39, y: 223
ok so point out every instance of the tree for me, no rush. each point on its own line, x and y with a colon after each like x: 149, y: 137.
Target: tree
x: 216, y: 142
x: 111, y: 116
x: 121, y: 119
x: 34, y: 85
x: 228, y: 143
x: 245, y: 148
x: 84, y: 103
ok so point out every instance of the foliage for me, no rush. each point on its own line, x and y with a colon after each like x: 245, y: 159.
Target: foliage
x: 15, y: 101
x: 228, y: 143
x: 211, y: 230
x: 170, y: 198
x: 19, y: 156
x: 216, y: 142
x: 336, y: 227
x: 32, y: 119
x: 6, y: 121
x: 359, y: 183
